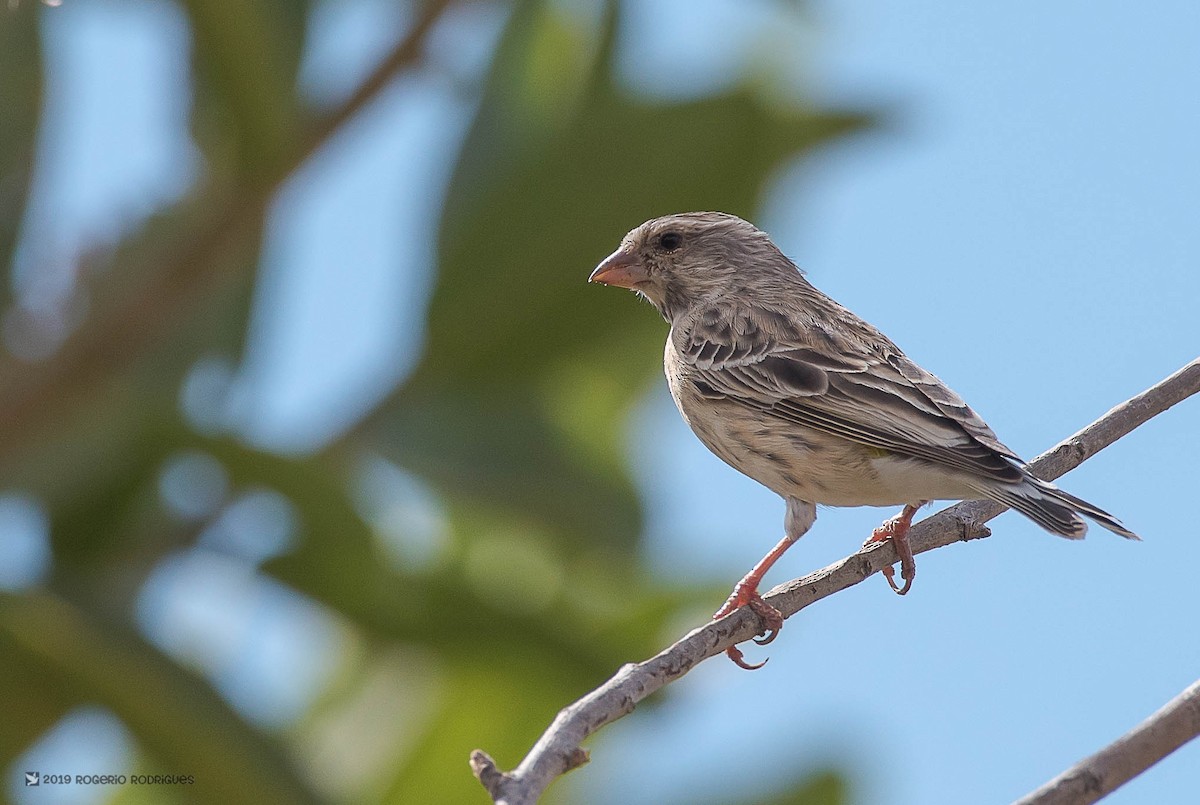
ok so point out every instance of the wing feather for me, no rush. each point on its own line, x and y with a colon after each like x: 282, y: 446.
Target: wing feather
x: 867, y: 393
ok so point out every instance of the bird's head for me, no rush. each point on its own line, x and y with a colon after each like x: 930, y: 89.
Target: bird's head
x: 686, y: 259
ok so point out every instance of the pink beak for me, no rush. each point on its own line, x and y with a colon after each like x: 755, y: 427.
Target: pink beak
x: 621, y: 268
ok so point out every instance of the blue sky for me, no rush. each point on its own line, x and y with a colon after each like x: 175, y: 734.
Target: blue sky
x: 1022, y: 223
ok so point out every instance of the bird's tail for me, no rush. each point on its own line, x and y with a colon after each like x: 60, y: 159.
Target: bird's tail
x: 1053, y: 509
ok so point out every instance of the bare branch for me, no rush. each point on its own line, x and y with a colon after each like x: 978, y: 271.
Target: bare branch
x: 559, y: 749
x: 1125, y: 758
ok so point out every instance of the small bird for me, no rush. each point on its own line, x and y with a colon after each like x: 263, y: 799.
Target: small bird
x: 792, y: 389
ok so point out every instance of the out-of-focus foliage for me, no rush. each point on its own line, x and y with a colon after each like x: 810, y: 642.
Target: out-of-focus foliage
x: 823, y: 788
x: 20, y: 89
x: 514, y: 417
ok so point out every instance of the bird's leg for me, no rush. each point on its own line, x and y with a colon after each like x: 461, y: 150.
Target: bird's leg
x: 745, y: 593
x: 896, y: 529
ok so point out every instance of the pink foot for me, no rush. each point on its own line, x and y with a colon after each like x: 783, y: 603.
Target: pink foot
x: 896, y: 529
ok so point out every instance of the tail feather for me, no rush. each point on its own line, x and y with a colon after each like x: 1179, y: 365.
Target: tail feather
x: 1053, y: 509
x: 1089, y: 510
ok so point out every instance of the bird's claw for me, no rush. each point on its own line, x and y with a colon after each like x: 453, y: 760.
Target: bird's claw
x: 770, y: 618
x: 734, y: 653
x: 906, y: 574
x: 896, y: 530
x: 766, y: 637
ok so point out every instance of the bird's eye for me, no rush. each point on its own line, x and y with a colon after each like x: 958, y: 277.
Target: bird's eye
x: 670, y: 241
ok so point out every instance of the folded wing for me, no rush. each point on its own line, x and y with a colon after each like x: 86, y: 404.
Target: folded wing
x: 876, y: 397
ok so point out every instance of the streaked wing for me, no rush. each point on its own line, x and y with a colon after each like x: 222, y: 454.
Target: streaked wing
x: 876, y: 397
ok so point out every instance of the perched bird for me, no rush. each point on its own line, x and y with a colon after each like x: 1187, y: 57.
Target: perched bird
x: 794, y: 390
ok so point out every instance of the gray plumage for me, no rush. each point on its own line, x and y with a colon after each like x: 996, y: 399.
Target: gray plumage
x: 792, y: 389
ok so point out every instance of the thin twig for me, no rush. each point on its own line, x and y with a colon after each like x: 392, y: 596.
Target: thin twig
x: 191, y: 263
x: 1125, y: 758
x: 559, y: 749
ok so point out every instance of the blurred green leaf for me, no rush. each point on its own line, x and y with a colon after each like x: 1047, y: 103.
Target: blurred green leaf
x: 149, y: 794
x: 175, y: 715
x: 827, y: 787
x: 246, y: 56
x: 505, y: 449
x: 20, y: 98
x: 339, y: 562
x: 42, y: 702
x: 503, y: 703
